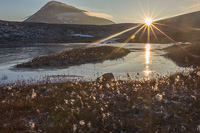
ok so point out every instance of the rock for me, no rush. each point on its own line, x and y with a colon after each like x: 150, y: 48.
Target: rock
x: 106, y: 77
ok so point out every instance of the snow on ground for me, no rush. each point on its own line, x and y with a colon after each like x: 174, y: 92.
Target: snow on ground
x: 113, y: 40
x: 81, y: 35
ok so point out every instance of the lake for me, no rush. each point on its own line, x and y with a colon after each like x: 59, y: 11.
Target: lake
x: 146, y: 59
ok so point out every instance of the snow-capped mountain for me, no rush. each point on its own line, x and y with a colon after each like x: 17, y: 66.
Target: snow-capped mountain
x: 60, y: 13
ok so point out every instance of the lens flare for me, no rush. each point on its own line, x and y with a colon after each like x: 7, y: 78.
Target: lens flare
x: 148, y: 21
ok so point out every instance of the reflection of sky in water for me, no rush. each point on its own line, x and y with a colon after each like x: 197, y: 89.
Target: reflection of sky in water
x: 144, y: 59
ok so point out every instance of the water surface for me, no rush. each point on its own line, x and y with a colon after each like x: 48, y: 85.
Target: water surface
x: 145, y: 59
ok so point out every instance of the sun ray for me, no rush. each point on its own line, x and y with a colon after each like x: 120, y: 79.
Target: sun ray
x: 143, y: 32
x: 133, y: 36
x: 163, y: 33
x: 162, y: 24
x: 148, y: 40
x: 148, y: 8
x: 126, y: 41
x: 142, y: 17
x: 136, y: 20
x: 167, y: 26
x: 142, y: 9
x: 154, y: 10
x: 154, y: 33
x: 155, y: 16
x: 172, y: 40
x: 148, y: 26
x: 152, y: 14
x: 112, y: 36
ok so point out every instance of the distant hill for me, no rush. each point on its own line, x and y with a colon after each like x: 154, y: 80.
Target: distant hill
x: 190, y: 20
x: 60, y: 13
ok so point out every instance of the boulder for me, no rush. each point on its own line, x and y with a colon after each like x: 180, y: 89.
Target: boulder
x: 106, y: 77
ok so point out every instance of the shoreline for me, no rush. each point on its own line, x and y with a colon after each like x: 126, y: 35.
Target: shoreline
x: 184, y: 55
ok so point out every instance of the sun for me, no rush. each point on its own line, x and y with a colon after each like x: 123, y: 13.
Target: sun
x: 148, y: 21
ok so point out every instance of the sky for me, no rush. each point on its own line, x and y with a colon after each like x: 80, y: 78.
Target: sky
x: 119, y: 11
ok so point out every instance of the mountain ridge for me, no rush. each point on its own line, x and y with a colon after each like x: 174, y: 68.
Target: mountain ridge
x: 188, y: 20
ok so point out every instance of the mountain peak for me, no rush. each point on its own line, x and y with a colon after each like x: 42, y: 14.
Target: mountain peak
x: 61, y: 13
x: 56, y: 4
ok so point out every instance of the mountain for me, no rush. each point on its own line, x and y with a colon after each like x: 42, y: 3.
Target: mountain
x: 60, y: 13
x: 190, y: 20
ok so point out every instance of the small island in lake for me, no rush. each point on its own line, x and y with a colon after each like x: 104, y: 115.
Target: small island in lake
x: 77, y: 56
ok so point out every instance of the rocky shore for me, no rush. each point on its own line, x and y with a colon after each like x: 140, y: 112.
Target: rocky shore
x: 77, y: 56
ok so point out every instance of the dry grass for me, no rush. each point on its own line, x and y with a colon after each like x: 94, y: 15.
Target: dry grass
x: 166, y: 104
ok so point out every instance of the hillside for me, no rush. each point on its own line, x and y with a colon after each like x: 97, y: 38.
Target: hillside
x: 190, y: 20
x: 185, y: 55
x: 15, y: 33
x: 60, y: 13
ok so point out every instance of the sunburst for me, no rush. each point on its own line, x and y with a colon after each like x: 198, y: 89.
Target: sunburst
x: 148, y: 21
x: 147, y: 25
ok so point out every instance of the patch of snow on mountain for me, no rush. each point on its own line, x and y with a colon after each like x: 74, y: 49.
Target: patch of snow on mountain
x: 68, y: 17
x: 60, y: 18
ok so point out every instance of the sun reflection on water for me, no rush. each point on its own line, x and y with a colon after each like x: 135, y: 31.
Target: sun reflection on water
x: 147, y: 71
x: 148, y: 47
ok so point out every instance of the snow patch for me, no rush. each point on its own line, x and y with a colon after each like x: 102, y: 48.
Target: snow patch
x: 113, y: 40
x: 68, y: 17
x: 81, y: 35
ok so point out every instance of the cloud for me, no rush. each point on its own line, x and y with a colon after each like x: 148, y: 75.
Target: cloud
x: 95, y: 12
x: 101, y: 15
